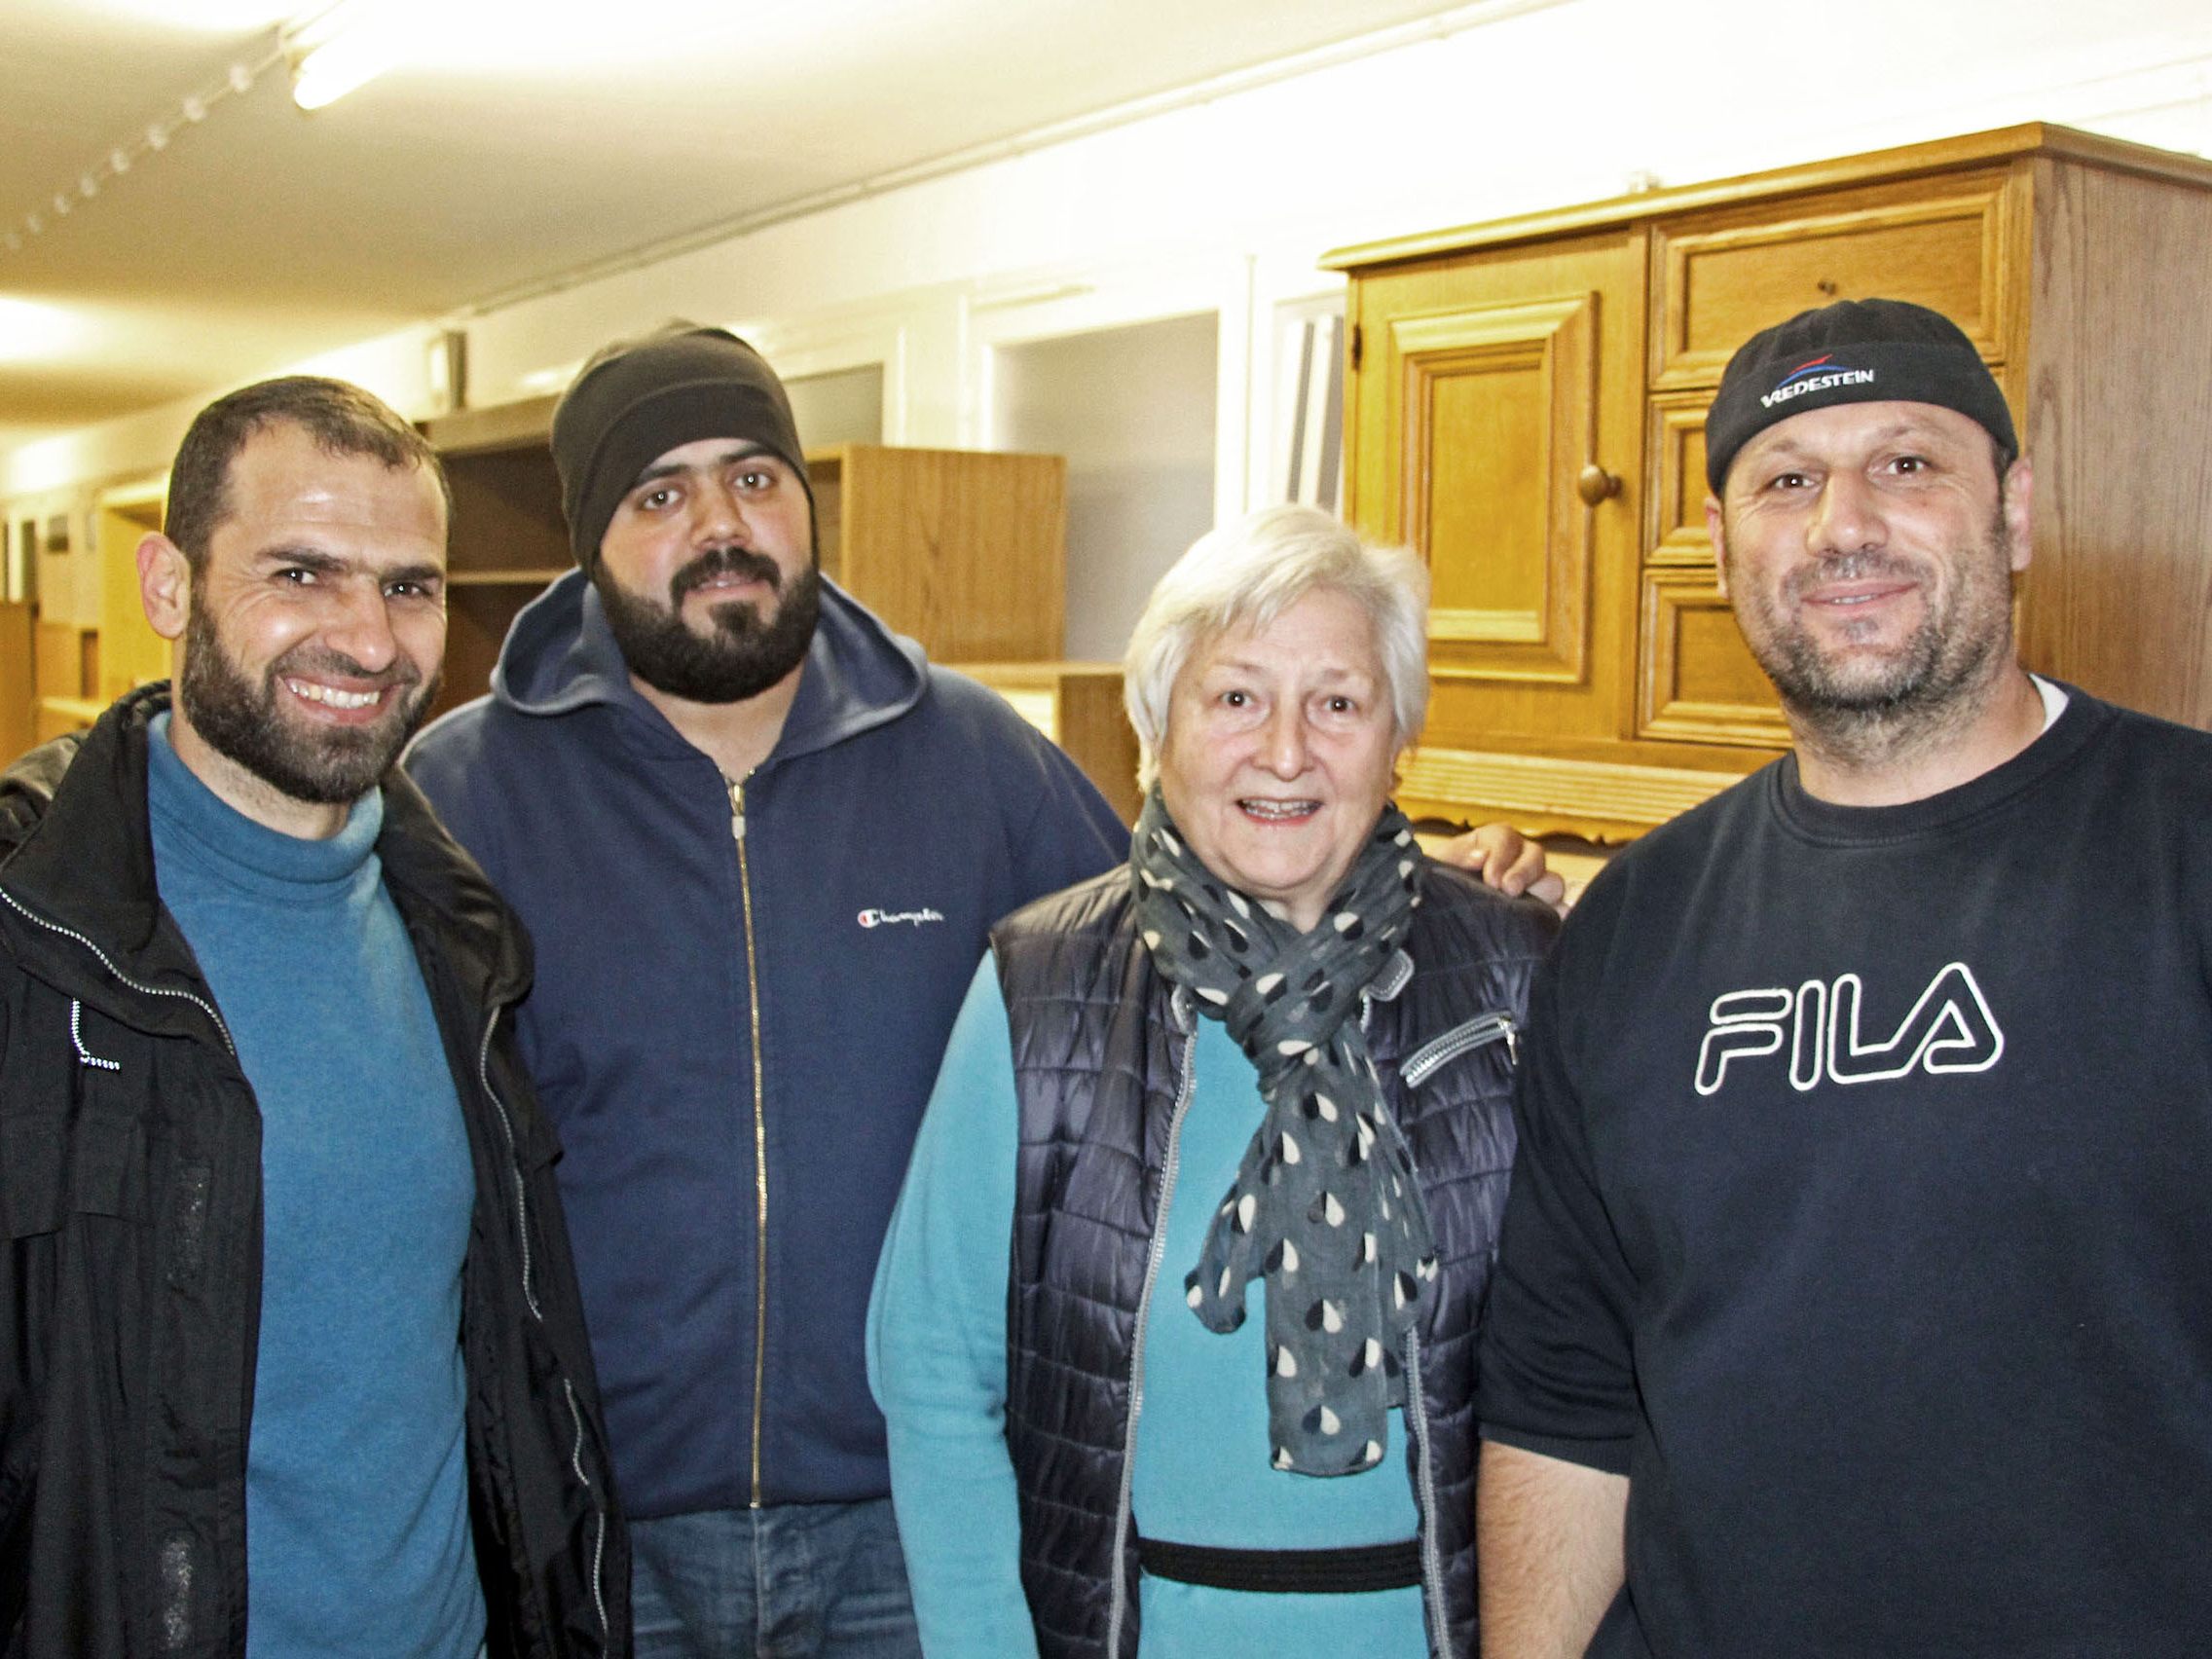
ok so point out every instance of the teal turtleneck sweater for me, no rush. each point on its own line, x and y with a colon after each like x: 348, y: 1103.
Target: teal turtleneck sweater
x: 358, y: 1530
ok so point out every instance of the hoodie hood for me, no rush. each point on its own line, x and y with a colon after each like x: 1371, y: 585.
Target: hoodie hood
x: 559, y: 656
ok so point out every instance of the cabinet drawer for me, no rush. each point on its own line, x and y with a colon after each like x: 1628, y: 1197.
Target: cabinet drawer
x: 1698, y: 680
x: 1723, y: 280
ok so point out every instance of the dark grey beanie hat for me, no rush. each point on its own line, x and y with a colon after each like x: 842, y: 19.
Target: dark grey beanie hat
x: 1852, y: 351
x: 638, y: 400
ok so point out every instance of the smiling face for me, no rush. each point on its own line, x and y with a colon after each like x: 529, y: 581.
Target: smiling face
x: 312, y: 631
x: 707, y: 571
x: 1279, y: 752
x: 1868, y: 551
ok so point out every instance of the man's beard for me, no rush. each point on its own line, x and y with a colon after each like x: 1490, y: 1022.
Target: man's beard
x: 1926, y: 685
x: 246, y: 724
x: 741, y: 657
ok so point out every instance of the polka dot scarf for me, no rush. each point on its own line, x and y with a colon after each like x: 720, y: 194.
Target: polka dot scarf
x: 1324, y: 1208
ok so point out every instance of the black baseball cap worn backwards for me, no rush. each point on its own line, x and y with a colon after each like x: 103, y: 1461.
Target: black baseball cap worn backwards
x: 1852, y: 351
x: 638, y: 400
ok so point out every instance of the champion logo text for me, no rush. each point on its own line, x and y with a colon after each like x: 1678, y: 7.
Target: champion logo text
x: 891, y: 918
x: 1949, y: 1029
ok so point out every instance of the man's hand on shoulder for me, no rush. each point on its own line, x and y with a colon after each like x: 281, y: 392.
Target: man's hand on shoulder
x: 1509, y: 861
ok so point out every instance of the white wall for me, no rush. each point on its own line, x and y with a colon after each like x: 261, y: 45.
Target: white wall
x: 843, y: 406
x: 1225, y: 207
x: 396, y: 366
x: 1132, y: 409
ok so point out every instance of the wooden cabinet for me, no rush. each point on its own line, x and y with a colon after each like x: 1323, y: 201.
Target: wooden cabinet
x: 1485, y: 387
x: 962, y: 549
x: 966, y: 551
x: 507, y: 539
x: 18, y: 692
x: 1526, y: 403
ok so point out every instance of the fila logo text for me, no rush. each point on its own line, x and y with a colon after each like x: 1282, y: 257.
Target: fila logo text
x: 1949, y: 1029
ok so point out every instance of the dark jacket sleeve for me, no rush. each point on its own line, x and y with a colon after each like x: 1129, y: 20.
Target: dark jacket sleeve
x: 27, y: 1295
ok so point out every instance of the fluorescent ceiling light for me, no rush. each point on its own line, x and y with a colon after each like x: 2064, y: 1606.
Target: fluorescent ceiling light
x: 350, y: 45
x: 337, y: 47
x: 31, y: 330
x: 201, y: 17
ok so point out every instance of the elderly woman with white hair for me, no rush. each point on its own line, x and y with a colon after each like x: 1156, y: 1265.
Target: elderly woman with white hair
x: 1277, y: 1046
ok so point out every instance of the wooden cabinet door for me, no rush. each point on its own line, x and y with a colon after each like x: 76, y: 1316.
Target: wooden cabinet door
x: 1484, y: 387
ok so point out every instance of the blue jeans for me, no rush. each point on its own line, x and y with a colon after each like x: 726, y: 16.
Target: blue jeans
x: 792, y: 1582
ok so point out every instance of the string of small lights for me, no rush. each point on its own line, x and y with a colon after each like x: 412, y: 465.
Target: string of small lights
x: 149, y: 142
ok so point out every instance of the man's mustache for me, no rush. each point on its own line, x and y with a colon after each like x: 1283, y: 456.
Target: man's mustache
x: 719, y: 562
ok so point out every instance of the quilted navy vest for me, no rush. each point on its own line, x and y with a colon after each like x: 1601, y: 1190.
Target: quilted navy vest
x: 1098, y: 1048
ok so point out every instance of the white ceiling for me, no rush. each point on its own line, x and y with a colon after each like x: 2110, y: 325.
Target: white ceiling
x: 546, y: 135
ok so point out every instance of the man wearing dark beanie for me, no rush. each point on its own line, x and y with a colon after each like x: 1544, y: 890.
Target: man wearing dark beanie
x: 758, y: 841
x: 1853, y: 1295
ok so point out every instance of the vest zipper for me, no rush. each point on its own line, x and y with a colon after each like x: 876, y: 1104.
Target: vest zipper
x: 760, y: 1135
x: 1475, y: 1033
x: 1425, y: 1483
x: 1118, y: 1607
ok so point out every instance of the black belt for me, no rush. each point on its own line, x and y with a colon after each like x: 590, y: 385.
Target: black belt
x: 1310, y: 1572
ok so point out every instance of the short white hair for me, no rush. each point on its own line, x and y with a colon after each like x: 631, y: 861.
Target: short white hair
x: 1247, y: 574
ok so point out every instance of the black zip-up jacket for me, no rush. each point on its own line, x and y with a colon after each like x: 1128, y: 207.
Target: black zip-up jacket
x: 130, y: 1285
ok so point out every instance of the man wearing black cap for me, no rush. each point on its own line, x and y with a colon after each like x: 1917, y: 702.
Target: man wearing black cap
x: 758, y: 841
x: 1856, y: 1287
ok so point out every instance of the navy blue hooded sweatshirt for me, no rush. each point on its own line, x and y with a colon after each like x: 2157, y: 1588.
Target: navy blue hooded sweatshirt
x: 692, y: 1003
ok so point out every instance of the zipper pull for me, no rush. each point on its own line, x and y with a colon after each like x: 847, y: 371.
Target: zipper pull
x: 1512, y: 1041
x: 736, y: 808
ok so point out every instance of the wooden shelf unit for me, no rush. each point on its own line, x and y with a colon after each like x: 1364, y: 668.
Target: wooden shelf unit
x: 1588, y: 674
x: 508, y: 540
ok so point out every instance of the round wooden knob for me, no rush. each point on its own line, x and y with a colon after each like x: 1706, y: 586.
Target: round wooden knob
x: 1594, y: 484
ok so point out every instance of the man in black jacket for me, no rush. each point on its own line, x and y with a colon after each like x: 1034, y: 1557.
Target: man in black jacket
x: 290, y: 1351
